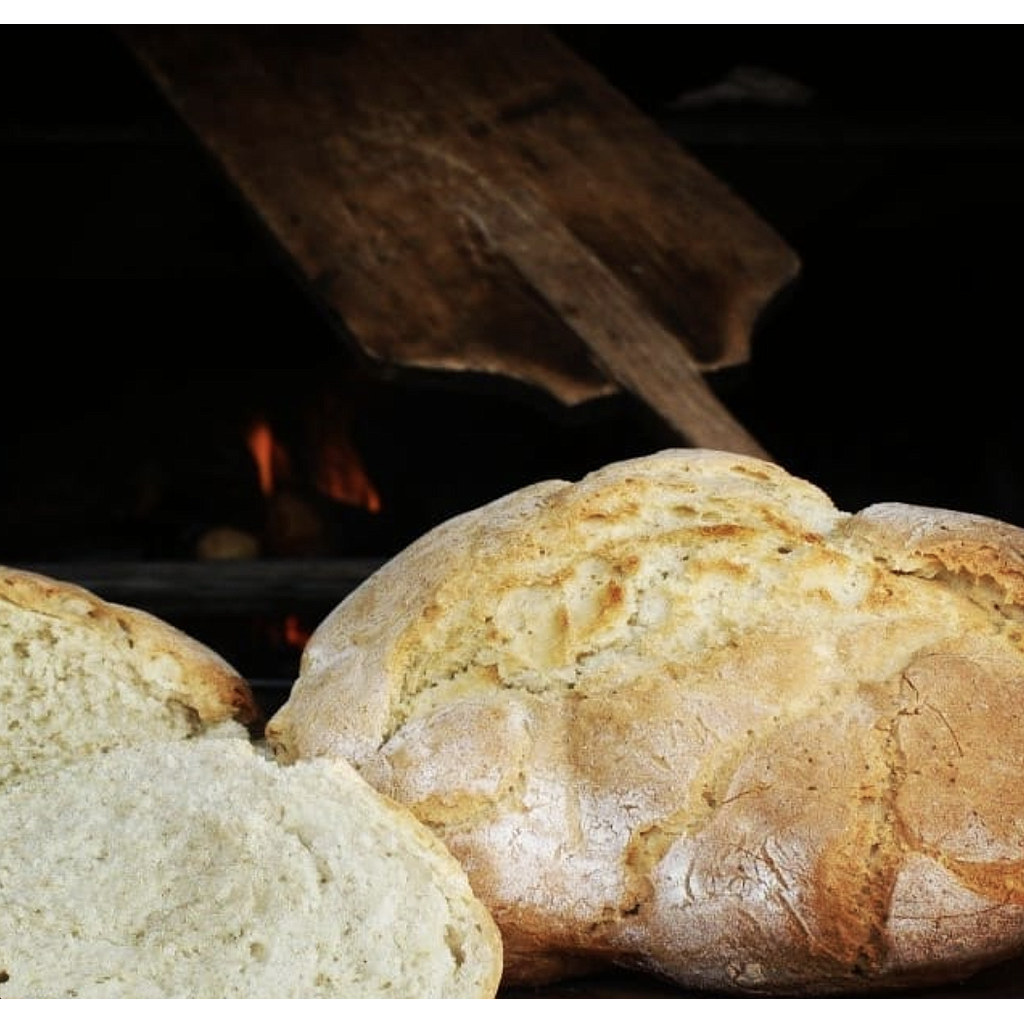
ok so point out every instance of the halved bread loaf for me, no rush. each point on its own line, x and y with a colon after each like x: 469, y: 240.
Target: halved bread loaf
x: 203, y: 869
x: 686, y: 716
x: 80, y: 674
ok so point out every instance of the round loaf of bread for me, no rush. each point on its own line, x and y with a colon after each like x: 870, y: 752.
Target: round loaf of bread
x: 80, y: 674
x: 204, y: 869
x: 688, y: 717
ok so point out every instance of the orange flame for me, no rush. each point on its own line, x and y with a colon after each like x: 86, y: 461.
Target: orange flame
x: 338, y: 468
x: 340, y: 474
x: 270, y: 456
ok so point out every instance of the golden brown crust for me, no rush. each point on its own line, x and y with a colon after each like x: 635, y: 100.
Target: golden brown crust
x: 919, y: 539
x: 685, y: 715
x: 208, y: 684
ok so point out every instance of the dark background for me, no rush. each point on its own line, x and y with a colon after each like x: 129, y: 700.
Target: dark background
x: 143, y: 313
x: 140, y: 301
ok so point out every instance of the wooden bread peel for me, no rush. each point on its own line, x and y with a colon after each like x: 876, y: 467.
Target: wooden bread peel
x: 479, y: 198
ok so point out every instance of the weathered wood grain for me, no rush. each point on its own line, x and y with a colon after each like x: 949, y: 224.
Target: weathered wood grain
x: 383, y: 160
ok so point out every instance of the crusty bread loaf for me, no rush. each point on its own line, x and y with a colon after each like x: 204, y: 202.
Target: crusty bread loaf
x: 686, y: 716
x: 79, y: 674
x: 202, y: 868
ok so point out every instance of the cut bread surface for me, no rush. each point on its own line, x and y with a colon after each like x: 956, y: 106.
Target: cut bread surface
x: 79, y: 674
x: 202, y: 868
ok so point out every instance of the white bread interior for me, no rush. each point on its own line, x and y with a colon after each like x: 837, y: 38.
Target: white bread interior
x: 79, y: 674
x: 203, y: 869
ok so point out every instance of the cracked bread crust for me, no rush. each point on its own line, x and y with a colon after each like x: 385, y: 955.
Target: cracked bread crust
x: 684, y: 715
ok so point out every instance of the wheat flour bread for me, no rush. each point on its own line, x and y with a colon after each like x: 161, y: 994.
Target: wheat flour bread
x: 688, y: 717
x: 202, y: 868
x: 79, y: 674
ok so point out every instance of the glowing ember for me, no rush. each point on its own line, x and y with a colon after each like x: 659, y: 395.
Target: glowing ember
x: 295, y: 634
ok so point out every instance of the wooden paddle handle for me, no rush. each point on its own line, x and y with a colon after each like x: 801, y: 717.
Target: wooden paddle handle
x: 625, y: 339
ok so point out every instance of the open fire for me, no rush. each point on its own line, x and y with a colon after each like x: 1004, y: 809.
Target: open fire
x: 293, y: 525
x: 242, y: 506
x: 296, y: 519
x: 339, y: 473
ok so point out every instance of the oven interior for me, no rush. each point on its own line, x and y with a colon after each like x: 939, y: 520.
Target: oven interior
x: 179, y: 405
